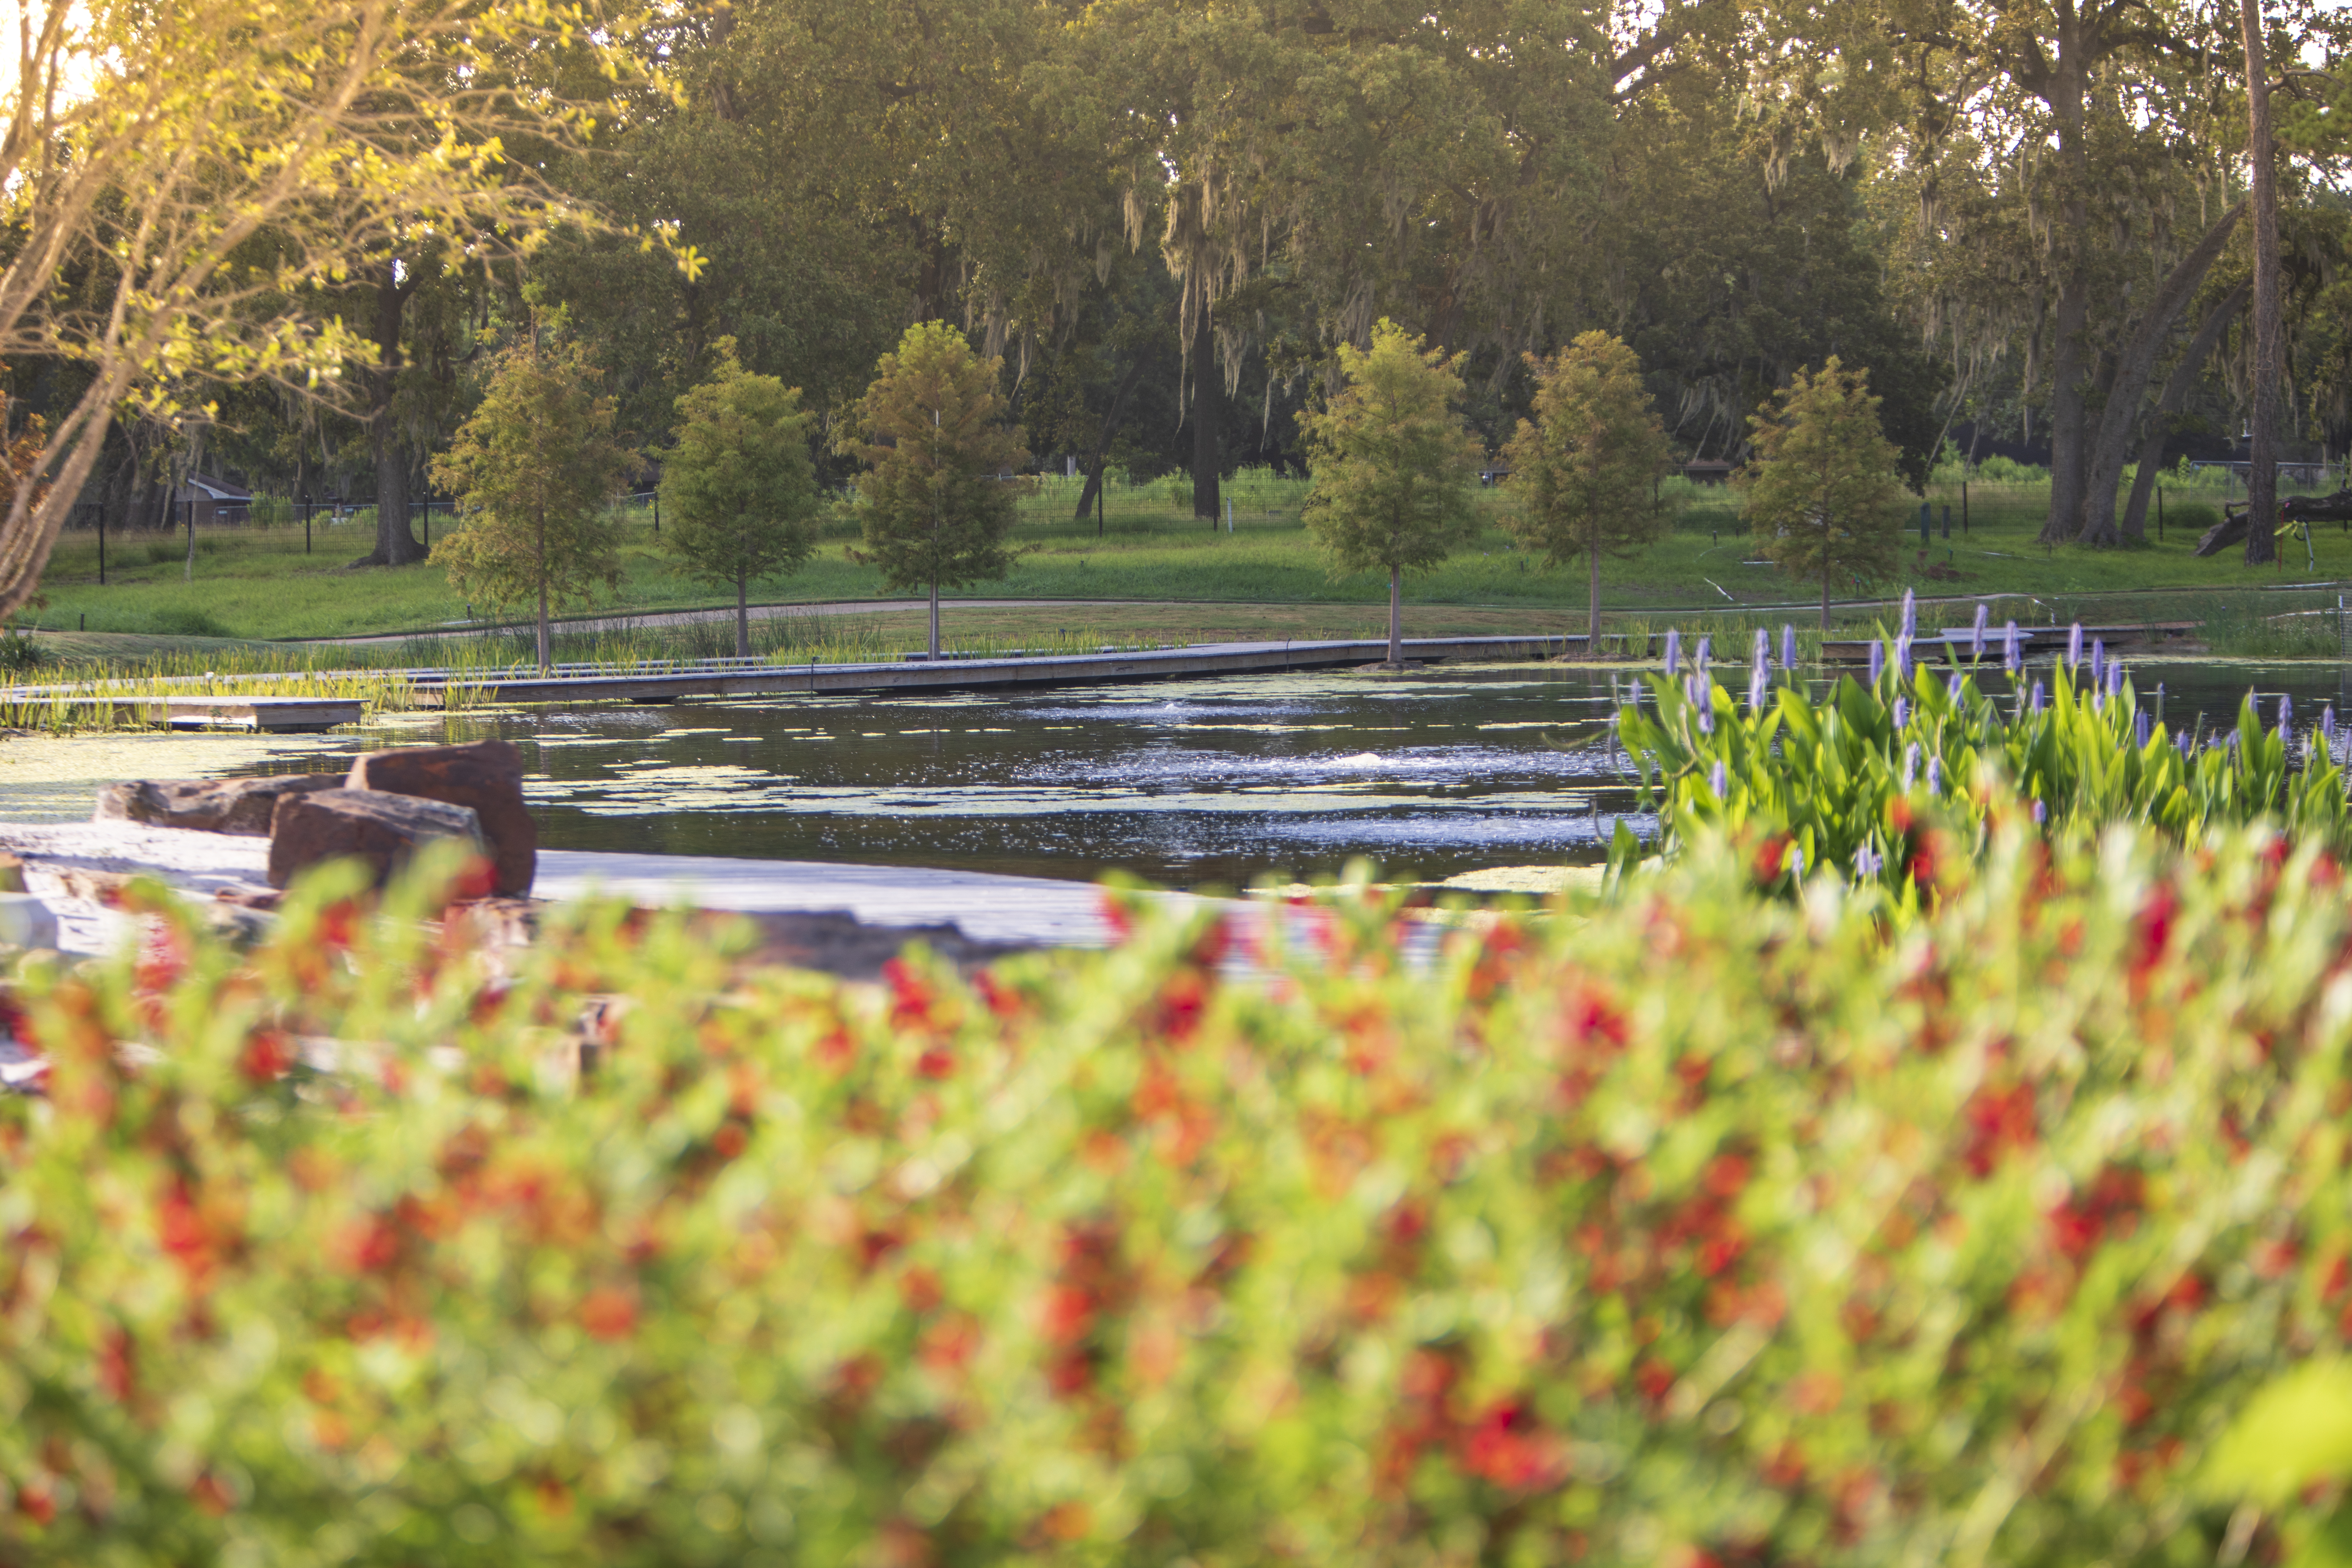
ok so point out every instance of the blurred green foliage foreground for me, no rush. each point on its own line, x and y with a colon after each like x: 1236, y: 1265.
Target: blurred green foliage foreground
x: 1713, y: 1226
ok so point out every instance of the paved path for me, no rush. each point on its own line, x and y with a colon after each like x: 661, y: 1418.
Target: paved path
x: 984, y: 907
x: 642, y: 620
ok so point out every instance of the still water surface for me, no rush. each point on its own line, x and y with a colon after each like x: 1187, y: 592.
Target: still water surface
x: 1187, y: 784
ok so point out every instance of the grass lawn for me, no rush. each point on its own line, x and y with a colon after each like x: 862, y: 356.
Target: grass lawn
x: 1264, y: 578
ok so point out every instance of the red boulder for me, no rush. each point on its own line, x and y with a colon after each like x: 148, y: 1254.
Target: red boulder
x: 486, y: 776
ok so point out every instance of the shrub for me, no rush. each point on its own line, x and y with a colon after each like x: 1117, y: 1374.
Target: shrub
x: 272, y: 511
x: 186, y: 621
x: 1723, y: 1229
x: 19, y: 653
x: 2189, y: 520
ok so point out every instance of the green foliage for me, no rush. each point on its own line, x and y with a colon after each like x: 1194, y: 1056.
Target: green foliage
x: 1822, y: 492
x: 2191, y: 519
x: 2290, y: 1452
x: 1719, y: 1228
x: 272, y: 511
x: 1582, y: 472
x: 532, y: 472
x: 1394, y: 469
x: 1846, y: 780
x: 19, y: 654
x: 740, y: 486
x: 934, y: 512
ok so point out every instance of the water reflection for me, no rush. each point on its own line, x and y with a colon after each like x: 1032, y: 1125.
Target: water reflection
x: 1187, y: 784
x: 1183, y: 783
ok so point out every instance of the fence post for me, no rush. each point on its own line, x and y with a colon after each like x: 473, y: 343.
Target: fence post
x: 2159, y: 514
x: 658, y: 512
x: 191, y: 573
x: 1964, y: 506
x: 306, y: 504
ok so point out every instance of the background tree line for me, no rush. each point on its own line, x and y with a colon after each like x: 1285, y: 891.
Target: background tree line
x: 2024, y: 221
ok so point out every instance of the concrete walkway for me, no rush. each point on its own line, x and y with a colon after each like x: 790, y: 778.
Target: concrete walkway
x: 1020, y: 910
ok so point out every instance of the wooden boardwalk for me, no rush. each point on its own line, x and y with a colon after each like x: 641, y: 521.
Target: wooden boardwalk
x: 2040, y: 642
x: 729, y: 677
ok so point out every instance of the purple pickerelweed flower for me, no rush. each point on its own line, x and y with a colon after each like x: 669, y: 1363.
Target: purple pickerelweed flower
x: 2040, y: 814
x: 1910, y: 763
x: 1706, y: 713
x: 1878, y: 661
x: 1952, y: 683
x: 1902, y: 659
x: 1763, y: 653
x: 2098, y: 662
x: 2033, y: 702
x: 1977, y: 636
x: 1690, y: 689
x: 1716, y: 782
x: 2012, y: 654
x: 2287, y: 713
x: 1796, y: 864
x: 1788, y: 645
x: 2327, y: 722
x: 1700, y: 655
x: 1935, y: 775
x: 2115, y: 678
x: 2075, y: 646
x: 1867, y: 861
x: 2139, y: 728
x: 2181, y: 743
x: 1910, y: 614
x: 1902, y: 713
x: 1674, y: 653
x: 1760, y: 681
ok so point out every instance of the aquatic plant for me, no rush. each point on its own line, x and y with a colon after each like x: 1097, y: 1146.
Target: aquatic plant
x: 1845, y: 776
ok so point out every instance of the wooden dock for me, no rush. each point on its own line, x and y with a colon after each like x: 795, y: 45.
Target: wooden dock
x: 269, y: 715
x: 2039, y: 642
x: 726, y: 679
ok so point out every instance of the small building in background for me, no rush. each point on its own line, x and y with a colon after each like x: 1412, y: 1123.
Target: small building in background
x: 217, y: 499
x: 1707, y: 471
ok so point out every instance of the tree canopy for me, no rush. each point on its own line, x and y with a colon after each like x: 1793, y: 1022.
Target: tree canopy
x: 1821, y: 493
x: 1394, y: 467
x: 936, y: 510
x: 1584, y: 471
x: 741, y: 488
x: 535, y: 471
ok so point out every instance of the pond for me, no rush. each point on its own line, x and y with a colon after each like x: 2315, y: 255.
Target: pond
x: 1201, y: 783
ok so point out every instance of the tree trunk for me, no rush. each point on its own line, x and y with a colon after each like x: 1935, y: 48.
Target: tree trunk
x: 546, y: 642
x: 1101, y: 458
x: 1826, y: 588
x: 1396, y: 617
x: 742, y: 614
x: 2176, y: 392
x: 2262, y: 466
x: 2128, y: 385
x: 935, y: 617
x: 2067, y: 366
x: 1208, y: 418
x: 1592, y: 612
x: 394, y: 544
